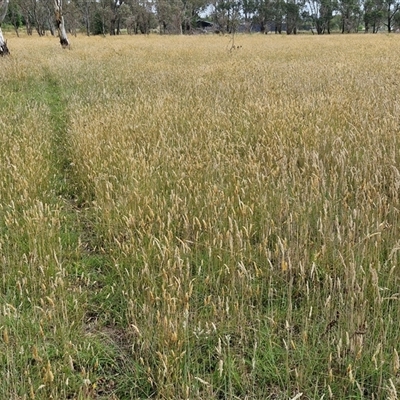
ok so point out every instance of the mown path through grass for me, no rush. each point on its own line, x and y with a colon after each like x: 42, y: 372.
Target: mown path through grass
x: 90, y: 267
x: 56, y: 100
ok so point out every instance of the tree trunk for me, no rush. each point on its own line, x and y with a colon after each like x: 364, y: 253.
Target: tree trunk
x: 50, y: 24
x: 319, y: 27
x: 262, y: 26
x: 3, y: 45
x: 112, y: 26
x: 3, y: 12
x: 60, y: 24
x: 87, y: 24
x: 28, y: 25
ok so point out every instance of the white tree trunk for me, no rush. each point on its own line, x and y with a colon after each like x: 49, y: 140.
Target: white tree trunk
x: 62, y: 33
x: 3, y: 44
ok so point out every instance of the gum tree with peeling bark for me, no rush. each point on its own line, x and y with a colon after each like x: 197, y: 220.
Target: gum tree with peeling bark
x: 3, y: 44
x: 62, y: 33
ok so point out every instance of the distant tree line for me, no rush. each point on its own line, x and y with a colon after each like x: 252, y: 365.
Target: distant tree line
x: 113, y: 17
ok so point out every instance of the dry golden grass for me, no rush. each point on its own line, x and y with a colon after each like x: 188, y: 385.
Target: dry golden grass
x: 183, y: 221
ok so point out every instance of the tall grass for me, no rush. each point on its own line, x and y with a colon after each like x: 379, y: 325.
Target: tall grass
x: 183, y: 221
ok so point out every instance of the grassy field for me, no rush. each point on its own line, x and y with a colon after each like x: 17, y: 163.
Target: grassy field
x: 181, y: 221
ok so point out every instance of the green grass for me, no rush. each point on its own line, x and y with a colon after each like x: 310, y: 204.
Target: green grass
x: 178, y: 221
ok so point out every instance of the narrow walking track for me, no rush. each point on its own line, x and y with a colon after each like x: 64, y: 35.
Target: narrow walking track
x: 89, y: 267
x: 56, y: 100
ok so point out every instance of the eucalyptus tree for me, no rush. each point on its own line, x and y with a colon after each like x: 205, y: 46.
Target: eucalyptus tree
x: 101, y: 17
x: 350, y: 15
x: 141, y: 18
x: 36, y: 14
x: 126, y: 18
x: 25, y: 7
x: 234, y: 15
x: 278, y: 9
x: 277, y: 12
x: 191, y: 10
x: 86, y: 9
x: 170, y: 15
x: 161, y: 8
x: 321, y: 13
x: 115, y: 21
x: 227, y: 14
x: 293, y: 8
x: 374, y: 13
x: 73, y: 17
x: 41, y: 12
x: 15, y: 16
x: 62, y: 33
x: 3, y: 12
x: 249, y: 9
x: 263, y: 14
x: 396, y: 22
x: 392, y: 9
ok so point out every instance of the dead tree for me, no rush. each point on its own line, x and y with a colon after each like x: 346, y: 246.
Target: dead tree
x: 3, y: 44
x: 62, y: 33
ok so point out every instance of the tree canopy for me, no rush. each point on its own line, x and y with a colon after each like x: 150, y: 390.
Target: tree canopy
x: 191, y: 16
